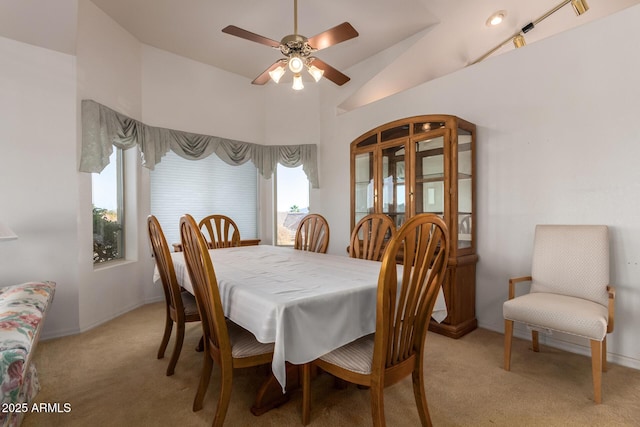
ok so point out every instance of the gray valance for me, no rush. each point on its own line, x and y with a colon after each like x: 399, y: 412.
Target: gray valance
x: 102, y: 128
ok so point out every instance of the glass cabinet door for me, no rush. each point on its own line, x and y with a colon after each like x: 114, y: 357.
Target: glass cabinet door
x: 429, y: 192
x: 393, y: 191
x: 364, y: 186
x: 465, y: 186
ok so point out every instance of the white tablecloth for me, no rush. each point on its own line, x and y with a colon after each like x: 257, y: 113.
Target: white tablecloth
x: 308, y: 304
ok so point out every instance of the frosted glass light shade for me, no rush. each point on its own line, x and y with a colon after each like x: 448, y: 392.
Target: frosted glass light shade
x: 277, y: 73
x: 296, y: 64
x: 297, y: 82
x: 316, y: 73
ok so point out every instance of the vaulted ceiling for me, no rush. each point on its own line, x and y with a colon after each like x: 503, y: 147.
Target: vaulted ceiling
x: 421, y: 39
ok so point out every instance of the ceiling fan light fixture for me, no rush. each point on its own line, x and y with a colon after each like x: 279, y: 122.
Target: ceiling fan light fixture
x: 296, y: 64
x: 579, y: 6
x: 297, y: 82
x: 277, y: 73
x: 315, y: 72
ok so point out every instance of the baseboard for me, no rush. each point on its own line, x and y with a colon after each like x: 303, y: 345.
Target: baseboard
x: 566, y: 346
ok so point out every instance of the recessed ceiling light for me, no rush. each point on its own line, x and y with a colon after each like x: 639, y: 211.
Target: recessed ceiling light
x: 496, y: 18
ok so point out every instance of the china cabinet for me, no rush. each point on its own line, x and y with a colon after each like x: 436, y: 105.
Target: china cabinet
x: 425, y: 164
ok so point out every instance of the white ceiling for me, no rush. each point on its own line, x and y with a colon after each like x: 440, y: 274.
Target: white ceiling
x: 423, y: 39
x: 192, y: 28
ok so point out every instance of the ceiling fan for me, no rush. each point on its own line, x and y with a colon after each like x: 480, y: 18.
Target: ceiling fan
x: 298, y: 51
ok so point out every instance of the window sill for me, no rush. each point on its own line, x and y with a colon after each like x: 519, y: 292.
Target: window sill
x: 112, y: 264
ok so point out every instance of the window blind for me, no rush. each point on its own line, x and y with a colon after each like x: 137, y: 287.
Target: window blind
x: 200, y: 188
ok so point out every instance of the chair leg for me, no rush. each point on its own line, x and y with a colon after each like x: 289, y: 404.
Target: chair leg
x: 168, y: 326
x: 377, y: 405
x: 508, y: 335
x: 535, y: 342
x: 604, y: 354
x: 207, y: 366
x: 306, y: 393
x: 226, y: 382
x: 596, y: 369
x: 177, y: 348
x: 419, y: 392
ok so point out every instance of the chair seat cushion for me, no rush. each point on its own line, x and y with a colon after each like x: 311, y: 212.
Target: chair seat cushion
x: 356, y: 356
x: 189, y: 303
x: 244, y: 343
x: 561, y: 313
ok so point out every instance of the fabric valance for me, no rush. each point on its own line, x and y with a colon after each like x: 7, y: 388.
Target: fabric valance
x: 102, y: 128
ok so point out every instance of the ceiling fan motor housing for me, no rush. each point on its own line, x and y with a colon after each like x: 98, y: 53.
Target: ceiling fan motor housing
x: 295, y: 44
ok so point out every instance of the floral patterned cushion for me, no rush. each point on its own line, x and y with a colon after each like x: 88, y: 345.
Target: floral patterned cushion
x: 22, y: 309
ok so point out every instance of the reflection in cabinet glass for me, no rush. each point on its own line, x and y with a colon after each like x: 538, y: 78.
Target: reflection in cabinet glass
x: 425, y: 164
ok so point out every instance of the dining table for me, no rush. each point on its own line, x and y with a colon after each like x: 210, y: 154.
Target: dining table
x: 306, y: 303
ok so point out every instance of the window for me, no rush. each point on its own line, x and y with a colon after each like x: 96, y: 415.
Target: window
x: 108, y: 210
x: 201, y: 188
x: 292, y: 202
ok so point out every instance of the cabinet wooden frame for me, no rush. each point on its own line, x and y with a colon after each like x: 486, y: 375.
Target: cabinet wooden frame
x: 457, y: 136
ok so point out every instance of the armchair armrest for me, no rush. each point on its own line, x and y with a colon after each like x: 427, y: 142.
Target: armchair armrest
x: 612, y: 297
x: 512, y: 283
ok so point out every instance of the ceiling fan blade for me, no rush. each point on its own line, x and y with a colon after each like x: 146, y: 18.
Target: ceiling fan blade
x: 331, y: 73
x: 335, y: 35
x: 264, y: 77
x: 248, y: 35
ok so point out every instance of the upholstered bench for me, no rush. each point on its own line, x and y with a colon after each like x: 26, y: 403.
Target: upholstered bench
x: 22, y: 311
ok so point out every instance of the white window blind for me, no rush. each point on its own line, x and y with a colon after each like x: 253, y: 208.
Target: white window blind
x: 201, y: 188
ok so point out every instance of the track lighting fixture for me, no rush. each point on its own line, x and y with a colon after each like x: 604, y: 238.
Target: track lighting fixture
x: 579, y: 7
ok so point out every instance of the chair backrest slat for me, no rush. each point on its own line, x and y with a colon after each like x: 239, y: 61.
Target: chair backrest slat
x: 164, y: 263
x: 405, y: 305
x: 205, y: 286
x: 312, y: 234
x: 221, y: 230
x: 371, y: 236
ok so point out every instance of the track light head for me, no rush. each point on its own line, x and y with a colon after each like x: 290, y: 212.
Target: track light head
x: 519, y: 41
x: 579, y: 6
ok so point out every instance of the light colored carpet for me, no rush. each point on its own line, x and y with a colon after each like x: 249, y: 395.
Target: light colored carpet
x: 111, y: 377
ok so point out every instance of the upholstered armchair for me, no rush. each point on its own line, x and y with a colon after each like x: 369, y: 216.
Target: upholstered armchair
x: 570, y: 291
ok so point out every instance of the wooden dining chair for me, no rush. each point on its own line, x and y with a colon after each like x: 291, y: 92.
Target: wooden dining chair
x: 371, y: 236
x: 312, y: 234
x: 221, y: 231
x: 404, y: 307
x: 180, y: 305
x: 225, y: 343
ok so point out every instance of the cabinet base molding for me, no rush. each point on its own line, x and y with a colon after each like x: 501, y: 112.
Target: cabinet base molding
x: 453, y: 331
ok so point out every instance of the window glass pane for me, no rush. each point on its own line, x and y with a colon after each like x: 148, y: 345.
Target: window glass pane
x: 393, y: 183
x: 203, y: 187
x: 393, y: 133
x: 364, y: 185
x: 465, y: 185
x: 108, y: 211
x: 292, y: 204
x: 429, y: 168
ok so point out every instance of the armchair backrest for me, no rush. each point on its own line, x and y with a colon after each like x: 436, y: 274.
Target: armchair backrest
x: 571, y: 260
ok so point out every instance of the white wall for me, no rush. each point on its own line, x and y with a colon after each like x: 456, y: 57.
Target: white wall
x: 109, y: 72
x: 38, y: 179
x: 557, y: 143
